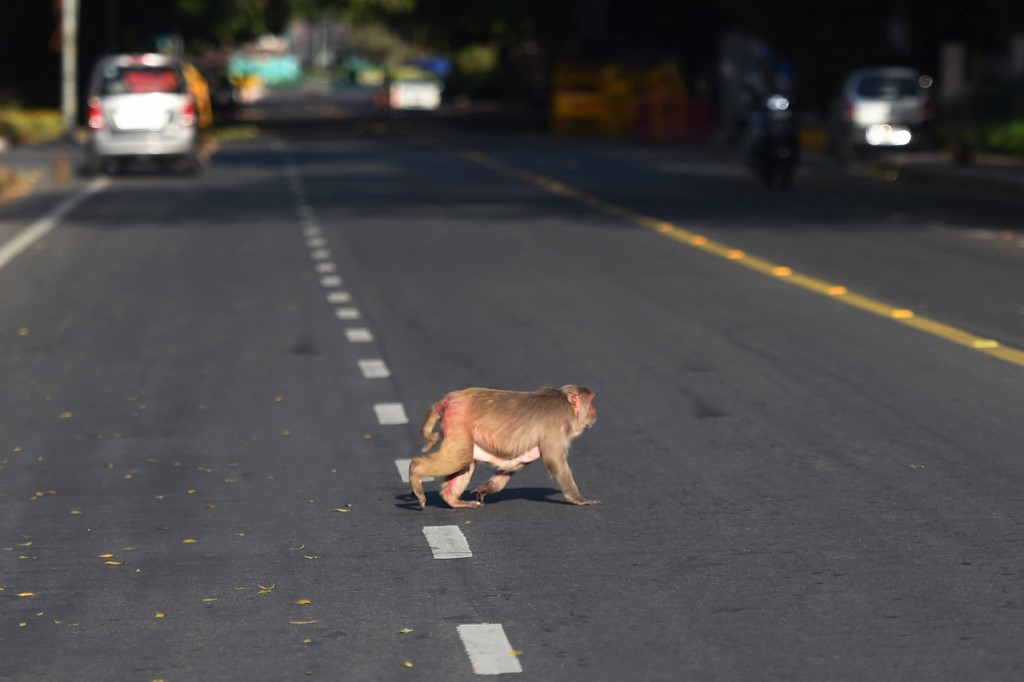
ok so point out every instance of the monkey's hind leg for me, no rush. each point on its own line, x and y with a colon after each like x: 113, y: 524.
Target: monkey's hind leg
x: 496, y: 484
x: 454, y: 486
x: 452, y: 461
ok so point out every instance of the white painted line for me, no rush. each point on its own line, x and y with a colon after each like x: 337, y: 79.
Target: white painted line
x: 447, y: 542
x: 320, y: 254
x: 330, y: 281
x: 312, y: 231
x: 403, y: 470
x: 374, y: 369
x: 326, y: 268
x: 347, y: 313
x: 42, y: 227
x: 339, y: 297
x: 390, y: 414
x: 304, y: 211
x: 316, y: 242
x: 489, y: 649
x: 359, y: 335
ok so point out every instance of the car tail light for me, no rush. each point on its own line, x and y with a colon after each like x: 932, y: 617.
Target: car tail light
x: 847, y: 110
x: 95, y: 115
x: 188, y: 113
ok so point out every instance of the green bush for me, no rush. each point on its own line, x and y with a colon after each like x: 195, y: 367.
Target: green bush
x: 1006, y: 137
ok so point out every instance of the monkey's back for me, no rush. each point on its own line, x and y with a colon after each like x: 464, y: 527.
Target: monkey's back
x: 506, y: 423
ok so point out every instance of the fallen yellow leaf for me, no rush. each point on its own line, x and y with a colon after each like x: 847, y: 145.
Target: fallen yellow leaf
x: 408, y: 664
x: 159, y: 615
x: 302, y: 622
x: 405, y: 631
x: 189, y: 541
x: 341, y: 510
x: 76, y: 512
x: 66, y: 415
x: 113, y: 563
x: 266, y: 590
x: 303, y: 602
x: 108, y: 555
x: 25, y: 594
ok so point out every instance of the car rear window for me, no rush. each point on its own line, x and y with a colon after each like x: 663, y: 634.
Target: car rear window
x: 125, y: 80
x: 877, y: 87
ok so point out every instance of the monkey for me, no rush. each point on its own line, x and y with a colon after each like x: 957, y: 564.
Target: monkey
x: 507, y: 429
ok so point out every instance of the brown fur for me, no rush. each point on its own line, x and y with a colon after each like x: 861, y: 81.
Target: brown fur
x: 507, y: 429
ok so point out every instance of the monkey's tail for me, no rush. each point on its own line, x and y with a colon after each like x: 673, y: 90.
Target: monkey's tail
x: 435, y: 413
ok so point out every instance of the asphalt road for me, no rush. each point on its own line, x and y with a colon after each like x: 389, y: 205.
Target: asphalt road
x: 198, y: 479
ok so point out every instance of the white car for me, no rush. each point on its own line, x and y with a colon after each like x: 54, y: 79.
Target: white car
x: 140, y: 106
x: 882, y: 107
x: 418, y: 93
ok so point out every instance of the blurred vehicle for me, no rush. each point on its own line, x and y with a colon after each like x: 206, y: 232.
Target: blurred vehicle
x: 773, y: 140
x: 411, y: 93
x: 880, y: 108
x: 142, y: 106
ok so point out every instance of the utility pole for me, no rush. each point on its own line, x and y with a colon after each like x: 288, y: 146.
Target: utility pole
x: 69, y: 65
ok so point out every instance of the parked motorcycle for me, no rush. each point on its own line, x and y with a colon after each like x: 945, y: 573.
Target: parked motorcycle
x: 773, y: 142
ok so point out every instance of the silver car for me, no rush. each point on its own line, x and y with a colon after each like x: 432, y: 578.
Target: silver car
x: 882, y: 107
x: 140, y: 106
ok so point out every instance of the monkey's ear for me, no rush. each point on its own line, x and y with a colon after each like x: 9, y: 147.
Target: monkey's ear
x: 574, y: 399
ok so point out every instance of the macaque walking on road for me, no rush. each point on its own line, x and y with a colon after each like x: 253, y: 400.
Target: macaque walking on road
x: 507, y: 429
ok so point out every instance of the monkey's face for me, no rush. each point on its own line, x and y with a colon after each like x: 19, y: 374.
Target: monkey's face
x: 591, y: 417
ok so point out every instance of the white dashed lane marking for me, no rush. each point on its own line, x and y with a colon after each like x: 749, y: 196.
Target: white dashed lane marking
x: 347, y: 313
x: 359, y: 335
x: 374, y: 369
x: 390, y: 414
x: 486, y: 645
x: 447, y: 542
x: 489, y: 649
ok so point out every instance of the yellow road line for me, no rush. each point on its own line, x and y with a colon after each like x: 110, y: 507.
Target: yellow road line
x: 783, y: 273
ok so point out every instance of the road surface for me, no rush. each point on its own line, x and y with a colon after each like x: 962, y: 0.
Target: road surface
x: 209, y: 386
